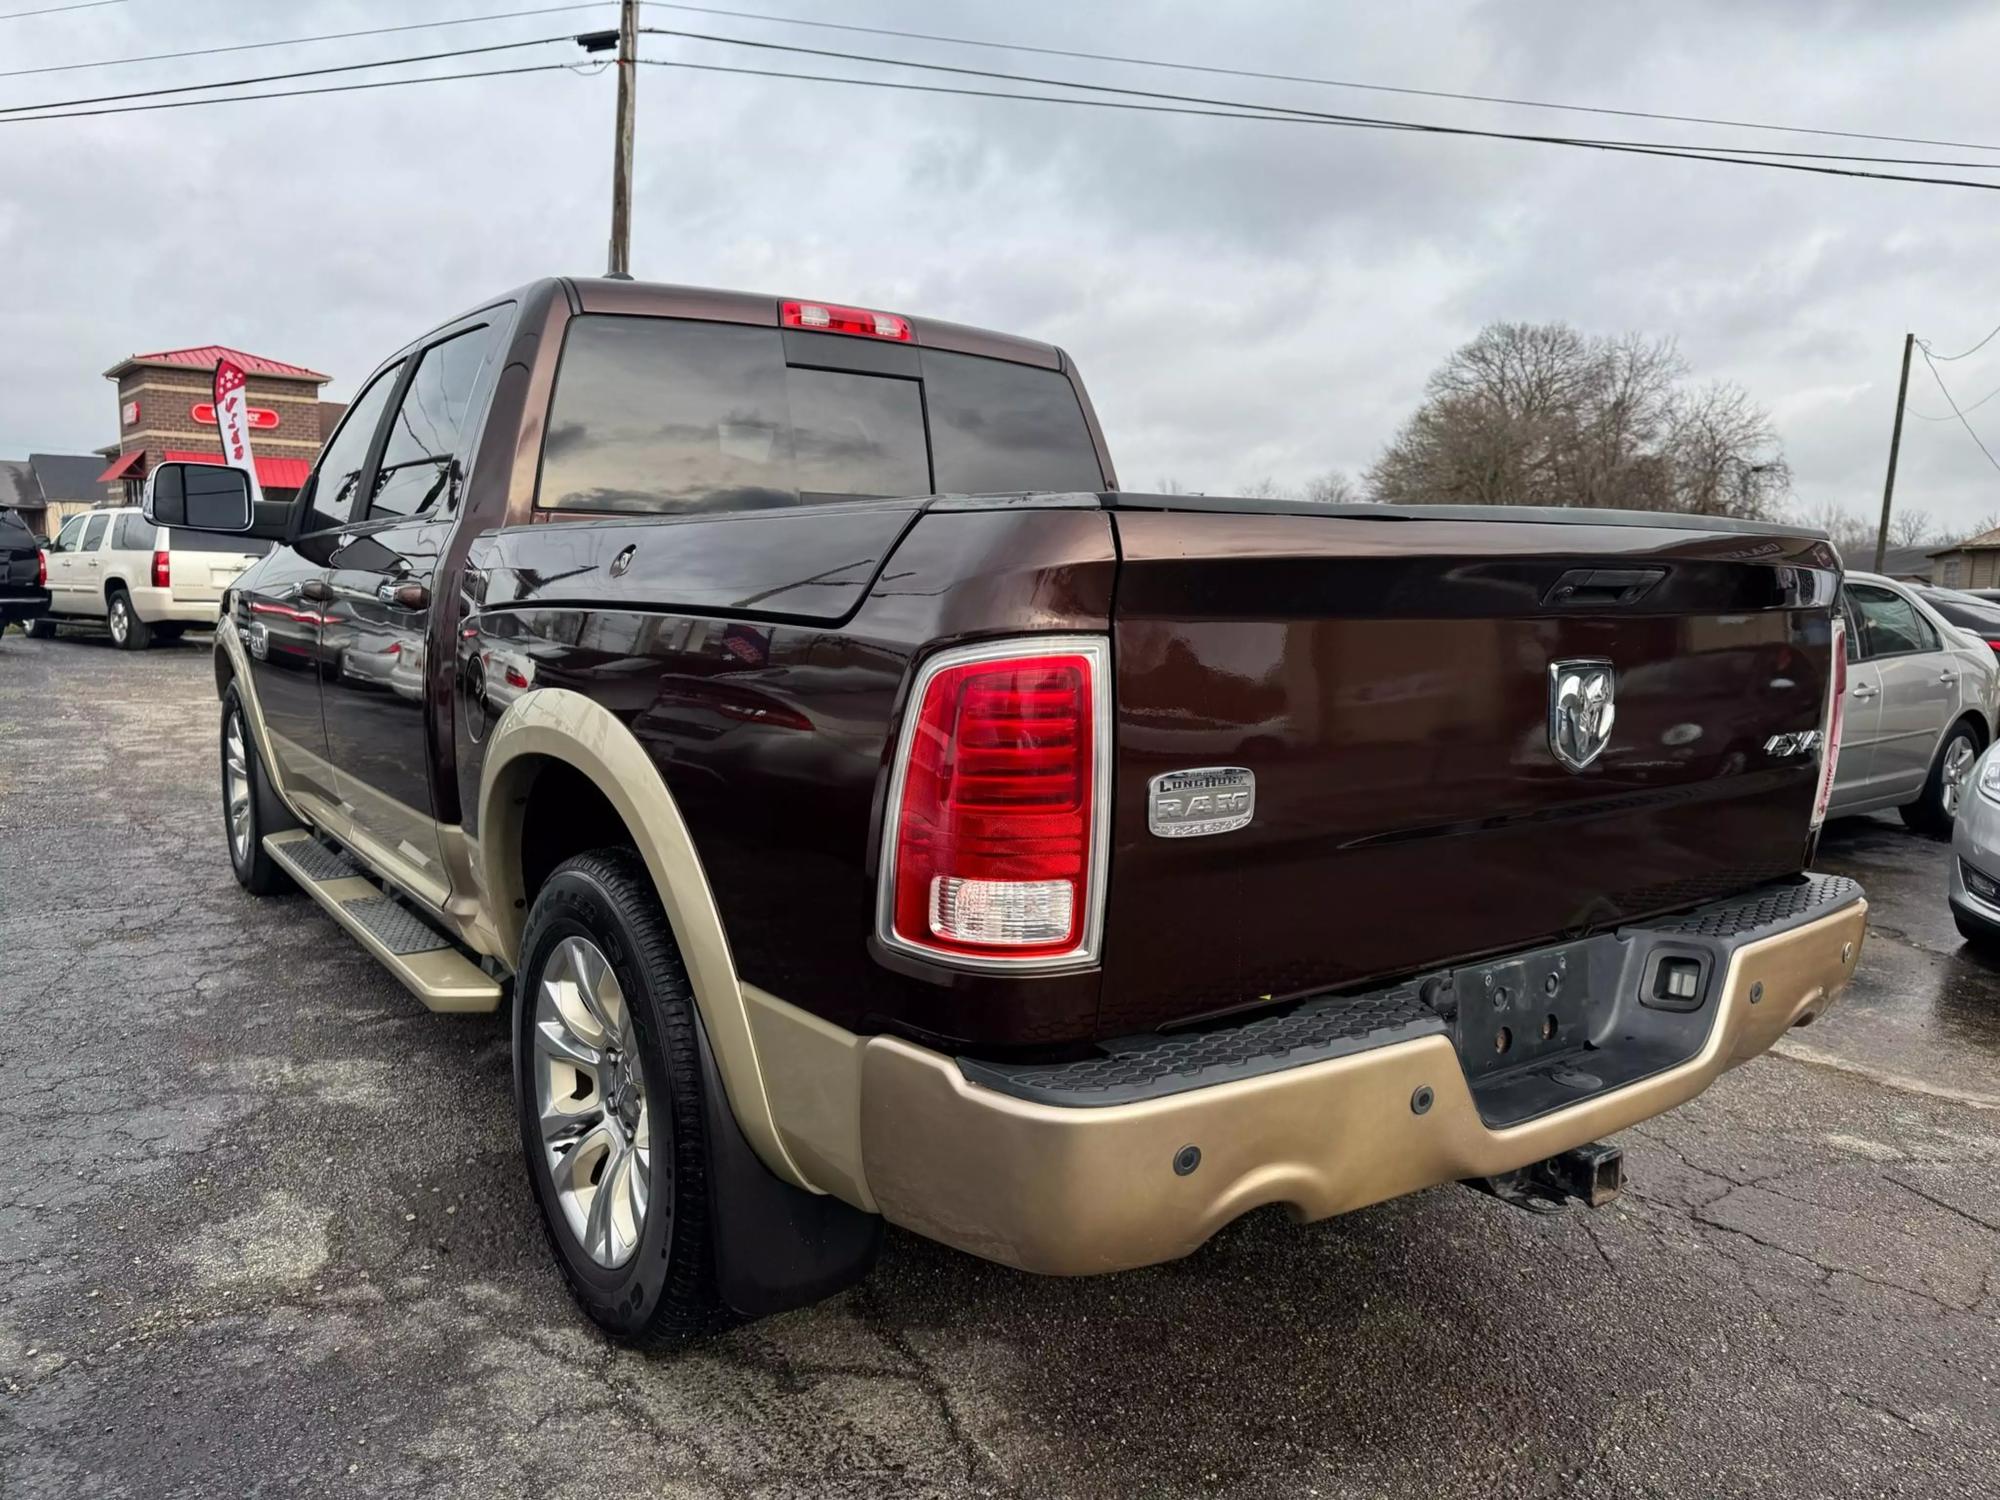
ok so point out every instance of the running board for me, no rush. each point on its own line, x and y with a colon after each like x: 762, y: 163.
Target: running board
x: 429, y: 965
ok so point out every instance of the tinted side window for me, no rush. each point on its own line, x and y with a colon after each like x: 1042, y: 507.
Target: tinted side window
x: 664, y: 415
x: 1889, y: 623
x: 425, y: 435
x: 94, y: 532
x: 134, y: 533
x: 71, y: 535
x: 998, y: 426
x: 338, y: 478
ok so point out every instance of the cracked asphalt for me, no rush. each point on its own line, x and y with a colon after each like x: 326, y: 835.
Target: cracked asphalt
x: 264, y: 1232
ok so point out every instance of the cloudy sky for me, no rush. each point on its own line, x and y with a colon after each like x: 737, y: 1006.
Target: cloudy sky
x: 1245, y: 299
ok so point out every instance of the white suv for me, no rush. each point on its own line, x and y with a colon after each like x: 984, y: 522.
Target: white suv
x: 140, y: 579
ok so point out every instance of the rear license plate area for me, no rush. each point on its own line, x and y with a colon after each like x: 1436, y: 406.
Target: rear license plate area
x: 1518, y: 1012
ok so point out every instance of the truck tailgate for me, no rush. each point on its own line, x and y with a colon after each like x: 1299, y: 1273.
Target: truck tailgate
x: 1387, y: 683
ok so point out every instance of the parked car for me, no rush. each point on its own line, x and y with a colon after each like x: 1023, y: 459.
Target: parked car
x: 141, y: 581
x: 1974, y: 883
x: 24, y: 591
x: 1922, y: 701
x: 1974, y: 616
x: 873, y: 814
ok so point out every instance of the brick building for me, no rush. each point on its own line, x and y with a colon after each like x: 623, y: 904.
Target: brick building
x: 164, y: 414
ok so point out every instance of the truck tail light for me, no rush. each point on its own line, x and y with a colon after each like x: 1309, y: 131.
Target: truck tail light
x: 162, y: 570
x: 999, y: 807
x: 1836, y: 708
x: 41, y: 569
x: 824, y: 317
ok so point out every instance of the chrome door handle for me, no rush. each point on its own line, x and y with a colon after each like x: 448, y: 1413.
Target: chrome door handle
x: 1864, y: 691
x: 1947, y: 677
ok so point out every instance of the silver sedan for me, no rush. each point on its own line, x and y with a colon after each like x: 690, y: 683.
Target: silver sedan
x: 1923, y: 700
x: 1975, y: 865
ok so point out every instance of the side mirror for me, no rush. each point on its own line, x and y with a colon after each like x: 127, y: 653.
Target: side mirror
x: 201, y: 497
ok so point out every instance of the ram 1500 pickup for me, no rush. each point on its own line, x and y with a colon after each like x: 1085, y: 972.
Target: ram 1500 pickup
x: 872, y: 813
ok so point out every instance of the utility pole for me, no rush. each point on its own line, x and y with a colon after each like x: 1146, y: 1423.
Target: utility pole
x: 1895, y: 444
x: 621, y: 161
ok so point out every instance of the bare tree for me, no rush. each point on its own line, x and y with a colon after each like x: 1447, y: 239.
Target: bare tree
x: 1170, y: 486
x: 1331, y: 488
x: 1853, y: 536
x: 1541, y: 414
x: 1988, y: 522
x: 1911, y: 528
x: 1266, y: 488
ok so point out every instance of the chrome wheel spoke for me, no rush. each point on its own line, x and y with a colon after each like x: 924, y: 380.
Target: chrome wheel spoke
x: 558, y: 1041
x: 600, y: 1224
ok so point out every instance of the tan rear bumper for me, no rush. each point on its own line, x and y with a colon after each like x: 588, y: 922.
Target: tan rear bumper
x: 1071, y: 1191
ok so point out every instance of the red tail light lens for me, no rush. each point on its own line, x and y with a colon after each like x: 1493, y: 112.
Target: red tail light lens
x: 824, y: 317
x: 41, y: 569
x: 162, y: 570
x: 998, y: 810
x: 1836, y: 707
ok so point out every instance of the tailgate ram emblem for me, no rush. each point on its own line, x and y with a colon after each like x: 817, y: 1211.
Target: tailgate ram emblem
x: 1207, y: 799
x: 1582, y: 705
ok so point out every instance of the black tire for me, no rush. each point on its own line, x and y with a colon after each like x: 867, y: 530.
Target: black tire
x: 41, y: 629
x: 1937, y: 806
x: 128, y: 631
x: 666, y: 1291
x: 169, y: 633
x: 256, y: 871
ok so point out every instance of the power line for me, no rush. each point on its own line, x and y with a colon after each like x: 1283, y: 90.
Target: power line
x: 1654, y: 147
x: 301, y: 41
x: 56, y: 10
x: 1278, y: 114
x: 329, y: 88
x: 1338, y: 83
x: 1948, y: 358
x: 1946, y: 416
x: 230, y: 83
x: 1946, y: 392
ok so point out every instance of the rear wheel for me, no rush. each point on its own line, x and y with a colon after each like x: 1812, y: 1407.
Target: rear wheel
x: 250, y: 809
x: 128, y: 631
x: 1951, y: 774
x: 42, y: 629
x: 607, y: 1084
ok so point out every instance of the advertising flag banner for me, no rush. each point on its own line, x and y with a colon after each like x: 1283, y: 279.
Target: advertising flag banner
x: 232, y: 421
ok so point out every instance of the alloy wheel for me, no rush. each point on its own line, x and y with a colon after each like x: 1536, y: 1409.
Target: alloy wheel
x: 121, y: 622
x: 590, y: 1096
x: 1957, y: 764
x: 236, y: 787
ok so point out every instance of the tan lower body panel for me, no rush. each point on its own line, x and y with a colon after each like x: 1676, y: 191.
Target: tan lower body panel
x: 1075, y: 1191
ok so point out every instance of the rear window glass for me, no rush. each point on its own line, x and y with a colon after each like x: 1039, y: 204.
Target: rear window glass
x: 999, y: 426
x: 1975, y: 614
x: 179, y: 539
x: 134, y: 534
x: 664, y: 415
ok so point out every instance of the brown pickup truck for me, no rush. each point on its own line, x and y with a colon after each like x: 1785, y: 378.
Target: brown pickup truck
x: 875, y: 814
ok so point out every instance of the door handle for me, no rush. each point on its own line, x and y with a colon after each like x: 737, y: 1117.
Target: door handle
x: 1864, y: 691
x: 405, y: 595
x: 1947, y: 678
x: 316, y: 590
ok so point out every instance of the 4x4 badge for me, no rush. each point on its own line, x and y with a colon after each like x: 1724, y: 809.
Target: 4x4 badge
x: 1582, y: 704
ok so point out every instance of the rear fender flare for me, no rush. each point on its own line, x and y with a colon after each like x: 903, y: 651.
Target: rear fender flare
x: 557, y: 724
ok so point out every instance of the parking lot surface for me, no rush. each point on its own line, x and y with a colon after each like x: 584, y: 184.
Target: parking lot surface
x: 264, y: 1231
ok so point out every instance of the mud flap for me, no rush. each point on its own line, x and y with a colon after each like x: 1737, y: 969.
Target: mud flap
x: 777, y: 1247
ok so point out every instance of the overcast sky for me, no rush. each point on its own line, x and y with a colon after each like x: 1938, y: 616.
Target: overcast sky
x: 1245, y: 299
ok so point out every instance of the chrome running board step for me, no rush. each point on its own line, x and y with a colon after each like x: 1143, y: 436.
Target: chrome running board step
x: 428, y: 964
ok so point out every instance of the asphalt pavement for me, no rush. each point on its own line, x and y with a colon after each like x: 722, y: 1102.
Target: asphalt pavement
x: 264, y: 1231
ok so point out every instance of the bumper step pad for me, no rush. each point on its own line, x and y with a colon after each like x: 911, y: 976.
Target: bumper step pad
x: 422, y: 958
x: 1600, y: 1034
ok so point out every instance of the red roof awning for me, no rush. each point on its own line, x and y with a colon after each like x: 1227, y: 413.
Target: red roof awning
x: 272, y: 473
x: 122, y: 468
